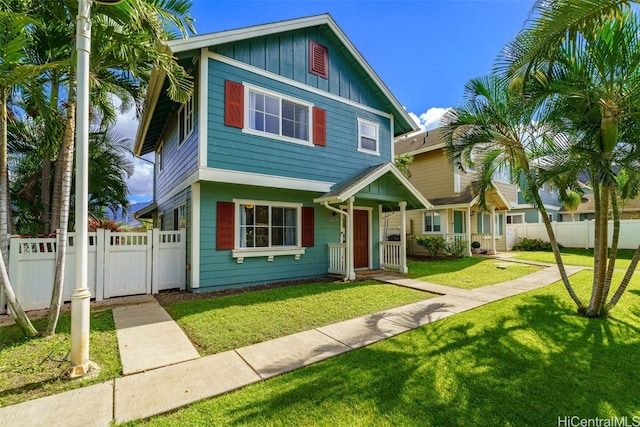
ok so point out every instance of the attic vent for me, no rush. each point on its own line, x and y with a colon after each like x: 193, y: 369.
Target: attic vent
x: 318, y: 60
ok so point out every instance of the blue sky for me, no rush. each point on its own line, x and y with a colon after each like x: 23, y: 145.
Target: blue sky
x: 424, y: 50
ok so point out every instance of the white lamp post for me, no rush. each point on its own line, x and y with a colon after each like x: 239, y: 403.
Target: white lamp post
x: 80, y: 309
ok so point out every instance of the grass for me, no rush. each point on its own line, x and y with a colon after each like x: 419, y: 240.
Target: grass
x: 522, y: 361
x: 580, y: 257
x: 225, y: 323
x: 32, y: 368
x: 467, y: 273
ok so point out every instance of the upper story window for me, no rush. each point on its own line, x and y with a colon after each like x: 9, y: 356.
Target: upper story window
x: 318, y: 60
x: 186, y: 121
x: 271, y: 113
x: 432, y: 222
x: 368, y: 137
x: 502, y: 173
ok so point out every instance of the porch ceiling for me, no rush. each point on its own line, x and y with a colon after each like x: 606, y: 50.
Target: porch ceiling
x: 382, y: 183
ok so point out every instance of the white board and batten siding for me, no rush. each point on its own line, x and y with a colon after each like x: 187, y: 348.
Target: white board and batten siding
x: 119, y: 264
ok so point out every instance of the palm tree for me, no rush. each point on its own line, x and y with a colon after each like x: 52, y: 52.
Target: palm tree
x: 494, y: 127
x: 128, y: 44
x: 590, y: 76
x: 13, y: 37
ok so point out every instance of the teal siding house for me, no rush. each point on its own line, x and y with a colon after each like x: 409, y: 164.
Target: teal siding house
x: 280, y: 166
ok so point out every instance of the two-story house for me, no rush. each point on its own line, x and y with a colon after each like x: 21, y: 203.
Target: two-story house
x: 280, y: 166
x: 456, y: 214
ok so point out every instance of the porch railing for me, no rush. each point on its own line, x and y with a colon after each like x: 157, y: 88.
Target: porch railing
x: 390, y: 254
x: 485, y: 241
x: 337, y: 258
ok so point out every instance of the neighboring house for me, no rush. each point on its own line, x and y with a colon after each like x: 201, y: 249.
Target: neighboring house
x: 280, y: 165
x: 629, y: 209
x: 456, y: 214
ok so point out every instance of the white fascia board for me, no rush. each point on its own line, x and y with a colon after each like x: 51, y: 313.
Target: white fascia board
x: 263, y: 180
x: 153, y: 94
x: 203, y: 109
x: 230, y: 36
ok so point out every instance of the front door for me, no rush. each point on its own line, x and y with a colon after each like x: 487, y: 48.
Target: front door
x: 360, y: 239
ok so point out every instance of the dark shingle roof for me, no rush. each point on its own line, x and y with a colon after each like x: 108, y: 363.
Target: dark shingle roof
x: 422, y: 141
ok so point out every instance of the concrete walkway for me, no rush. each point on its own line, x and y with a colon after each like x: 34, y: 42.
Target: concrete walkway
x: 163, y: 372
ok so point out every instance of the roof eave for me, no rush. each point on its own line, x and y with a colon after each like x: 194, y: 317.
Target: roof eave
x: 153, y: 94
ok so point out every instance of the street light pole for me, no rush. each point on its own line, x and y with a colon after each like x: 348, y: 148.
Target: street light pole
x: 80, y: 298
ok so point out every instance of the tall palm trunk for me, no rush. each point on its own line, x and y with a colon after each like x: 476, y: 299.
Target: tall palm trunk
x: 614, y: 249
x: 20, y: 317
x: 66, y: 154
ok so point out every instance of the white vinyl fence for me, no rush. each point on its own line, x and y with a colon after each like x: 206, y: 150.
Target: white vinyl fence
x: 120, y: 264
x: 576, y: 234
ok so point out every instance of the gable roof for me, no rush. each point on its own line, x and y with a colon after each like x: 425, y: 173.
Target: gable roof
x: 418, y: 143
x: 157, y: 85
x: 343, y: 191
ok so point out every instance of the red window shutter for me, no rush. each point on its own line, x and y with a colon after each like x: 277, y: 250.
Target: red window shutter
x: 225, y: 225
x: 233, y: 104
x: 319, y: 126
x: 308, y: 227
x: 318, y: 60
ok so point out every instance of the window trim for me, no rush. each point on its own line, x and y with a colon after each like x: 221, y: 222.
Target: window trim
x: 160, y: 157
x: 377, y: 128
x: 176, y: 213
x: 512, y: 215
x: 248, y: 88
x: 240, y: 253
x: 186, y: 115
x: 424, y: 222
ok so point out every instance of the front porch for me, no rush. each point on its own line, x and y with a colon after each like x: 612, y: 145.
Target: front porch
x: 360, y: 206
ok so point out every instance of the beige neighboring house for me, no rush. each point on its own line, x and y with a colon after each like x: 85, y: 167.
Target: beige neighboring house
x: 456, y: 214
x: 629, y: 209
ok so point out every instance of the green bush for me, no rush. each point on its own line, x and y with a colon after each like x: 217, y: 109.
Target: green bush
x: 457, y: 248
x: 525, y: 244
x: 433, y: 245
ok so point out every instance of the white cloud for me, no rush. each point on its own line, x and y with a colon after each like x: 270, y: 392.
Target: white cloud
x: 430, y: 119
x: 140, y: 184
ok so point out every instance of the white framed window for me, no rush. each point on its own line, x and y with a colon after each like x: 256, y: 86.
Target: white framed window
x: 485, y: 223
x: 180, y: 217
x: 432, y: 222
x: 456, y: 181
x: 160, y: 157
x: 502, y: 173
x: 497, y: 224
x: 274, y: 115
x: 160, y: 224
x: 368, y: 137
x: 186, y: 121
x: 515, y: 218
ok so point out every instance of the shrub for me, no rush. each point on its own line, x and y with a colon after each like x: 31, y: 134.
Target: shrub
x: 433, y: 245
x: 525, y: 244
x: 475, y: 244
x: 457, y: 248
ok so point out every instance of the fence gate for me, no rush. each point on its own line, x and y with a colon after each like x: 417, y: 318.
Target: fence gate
x: 119, y: 264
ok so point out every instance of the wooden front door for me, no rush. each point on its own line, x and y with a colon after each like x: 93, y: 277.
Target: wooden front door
x: 360, y: 239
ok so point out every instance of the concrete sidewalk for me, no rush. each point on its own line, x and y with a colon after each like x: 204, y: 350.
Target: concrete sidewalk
x: 165, y: 381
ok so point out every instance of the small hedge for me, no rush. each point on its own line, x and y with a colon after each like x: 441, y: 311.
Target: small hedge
x: 529, y: 245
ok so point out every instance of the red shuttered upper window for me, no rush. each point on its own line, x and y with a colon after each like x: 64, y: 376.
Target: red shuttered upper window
x: 318, y: 60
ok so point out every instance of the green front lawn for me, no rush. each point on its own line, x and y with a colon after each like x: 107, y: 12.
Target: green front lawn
x: 226, y: 323
x: 467, y: 273
x: 523, y: 361
x: 580, y: 257
x: 32, y: 368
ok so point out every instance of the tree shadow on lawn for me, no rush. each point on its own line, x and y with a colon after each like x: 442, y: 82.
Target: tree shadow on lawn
x: 526, y: 362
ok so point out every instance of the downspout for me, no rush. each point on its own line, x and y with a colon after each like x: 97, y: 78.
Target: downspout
x: 347, y: 254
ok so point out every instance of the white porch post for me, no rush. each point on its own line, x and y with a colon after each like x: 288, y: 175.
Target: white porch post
x: 493, y: 230
x: 403, y: 237
x: 468, y: 220
x: 351, y: 274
